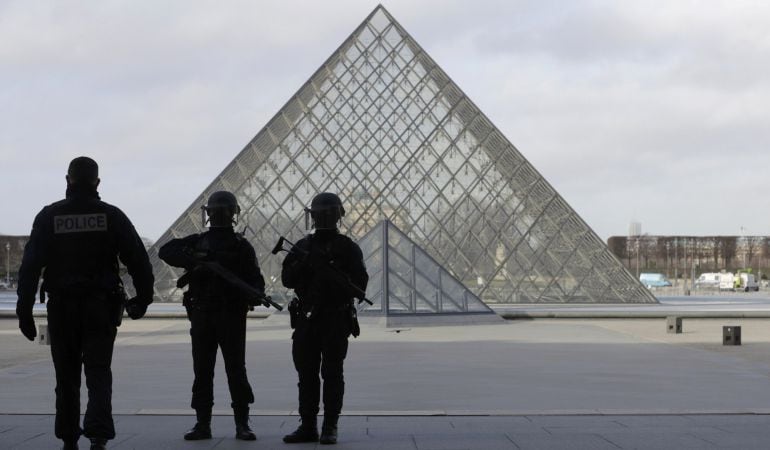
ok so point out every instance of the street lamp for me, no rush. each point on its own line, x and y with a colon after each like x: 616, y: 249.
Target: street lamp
x: 637, y: 257
x: 8, y: 263
x: 743, y: 245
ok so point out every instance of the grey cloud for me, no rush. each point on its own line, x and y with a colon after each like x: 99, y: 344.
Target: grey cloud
x: 648, y: 110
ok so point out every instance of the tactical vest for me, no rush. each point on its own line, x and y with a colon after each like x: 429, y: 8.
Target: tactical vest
x: 82, y: 247
x: 321, y: 292
x: 207, y: 287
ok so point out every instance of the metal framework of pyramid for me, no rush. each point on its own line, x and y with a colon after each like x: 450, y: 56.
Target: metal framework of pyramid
x: 405, y: 280
x: 383, y: 126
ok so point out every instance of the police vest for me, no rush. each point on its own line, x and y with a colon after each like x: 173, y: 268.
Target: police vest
x: 83, y: 246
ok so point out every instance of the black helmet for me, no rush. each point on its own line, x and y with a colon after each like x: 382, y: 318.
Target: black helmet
x: 326, y: 210
x: 222, y: 208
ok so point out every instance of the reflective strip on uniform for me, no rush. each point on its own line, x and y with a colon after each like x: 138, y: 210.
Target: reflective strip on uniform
x: 76, y: 223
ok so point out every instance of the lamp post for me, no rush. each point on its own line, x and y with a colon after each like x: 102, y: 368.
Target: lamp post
x: 8, y: 263
x: 637, y: 257
x: 743, y: 245
x: 676, y: 261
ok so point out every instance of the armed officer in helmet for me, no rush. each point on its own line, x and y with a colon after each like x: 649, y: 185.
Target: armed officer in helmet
x: 217, y: 310
x: 324, y: 317
x: 76, y: 244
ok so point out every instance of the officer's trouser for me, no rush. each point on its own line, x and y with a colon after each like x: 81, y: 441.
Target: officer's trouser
x: 82, y: 333
x: 224, y: 328
x: 320, y: 347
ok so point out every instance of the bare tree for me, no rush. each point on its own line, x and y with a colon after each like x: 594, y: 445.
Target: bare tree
x: 764, y: 252
x: 752, y: 247
x: 661, y: 253
x: 619, y: 247
x: 708, y: 253
x: 648, y: 247
x: 714, y: 245
x: 728, y: 246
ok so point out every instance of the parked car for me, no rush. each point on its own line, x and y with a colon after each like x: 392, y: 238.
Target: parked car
x: 4, y: 285
x: 652, y: 280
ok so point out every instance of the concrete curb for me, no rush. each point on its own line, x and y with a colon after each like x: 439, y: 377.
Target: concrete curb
x: 10, y: 314
x: 517, y: 312
x: 439, y: 413
x: 685, y: 314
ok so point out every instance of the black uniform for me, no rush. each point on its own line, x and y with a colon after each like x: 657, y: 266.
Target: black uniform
x: 320, y: 339
x: 77, y: 243
x: 217, y: 310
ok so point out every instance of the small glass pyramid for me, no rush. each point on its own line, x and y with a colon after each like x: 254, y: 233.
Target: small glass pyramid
x: 404, y: 279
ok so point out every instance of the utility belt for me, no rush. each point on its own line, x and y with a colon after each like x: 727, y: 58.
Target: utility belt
x: 299, y: 313
x: 114, y: 298
x: 192, y: 303
x: 79, y: 285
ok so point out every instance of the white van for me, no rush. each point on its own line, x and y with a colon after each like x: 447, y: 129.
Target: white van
x: 710, y: 279
x: 740, y: 282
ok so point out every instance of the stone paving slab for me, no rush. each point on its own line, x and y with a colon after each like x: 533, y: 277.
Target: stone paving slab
x: 465, y: 441
x: 577, y: 441
x: 525, y: 368
x: 426, y: 433
x: 654, y: 439
x: 533, y: 384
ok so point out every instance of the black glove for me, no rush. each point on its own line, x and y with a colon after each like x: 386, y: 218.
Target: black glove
x: 136, y: 308
x: 257, y: 299
x: 27, y: 325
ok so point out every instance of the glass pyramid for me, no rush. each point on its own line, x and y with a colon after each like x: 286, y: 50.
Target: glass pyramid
x: 383, y: 126
x: 404, y: 279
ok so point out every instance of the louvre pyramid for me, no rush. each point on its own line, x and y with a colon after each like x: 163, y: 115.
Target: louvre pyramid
x: 406, y: 280
x: 383, y: 126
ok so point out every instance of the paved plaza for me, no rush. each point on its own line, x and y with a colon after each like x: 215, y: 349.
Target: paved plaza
x: 574, y: 432
x: 545, y: 383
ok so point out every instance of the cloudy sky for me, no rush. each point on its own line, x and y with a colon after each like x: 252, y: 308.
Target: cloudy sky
x: 649, y: 111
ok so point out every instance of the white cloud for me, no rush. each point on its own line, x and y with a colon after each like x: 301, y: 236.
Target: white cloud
x: 648, y: 110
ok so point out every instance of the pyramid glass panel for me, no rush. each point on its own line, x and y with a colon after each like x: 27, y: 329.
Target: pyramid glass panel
x: 383, y: 126
x: 410, y: 281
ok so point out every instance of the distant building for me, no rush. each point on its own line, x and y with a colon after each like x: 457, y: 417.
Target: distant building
x: 635, y: 229
x: 682, y: 255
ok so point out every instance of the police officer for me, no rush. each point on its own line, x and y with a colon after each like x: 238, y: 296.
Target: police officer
x: 77, y: 243
x: 324, y: 316
x: 217, y: 311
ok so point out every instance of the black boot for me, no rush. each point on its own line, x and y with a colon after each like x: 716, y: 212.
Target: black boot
x: 98, y: 444
x: 202, y: 428
x: 329, y: 430
x: 306, y: 432
x: 70, y: 444
x: 242, y: 430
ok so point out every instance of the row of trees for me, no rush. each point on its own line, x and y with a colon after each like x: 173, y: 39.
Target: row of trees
x: 680, y: 255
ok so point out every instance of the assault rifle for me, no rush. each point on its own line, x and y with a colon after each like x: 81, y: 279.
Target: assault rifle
x: 254, y: 297
x: 334, y: 273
